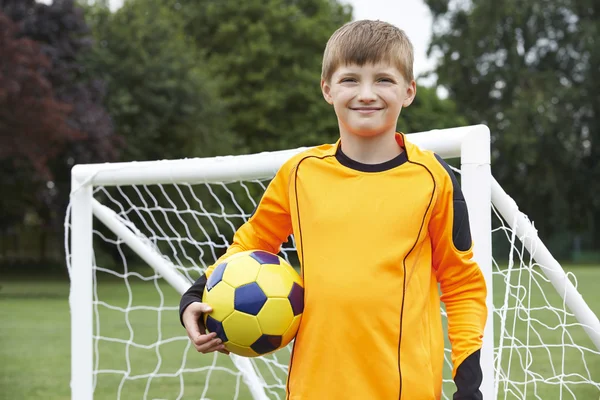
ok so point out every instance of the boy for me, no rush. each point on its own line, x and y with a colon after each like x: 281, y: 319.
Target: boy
x: 378, y: 224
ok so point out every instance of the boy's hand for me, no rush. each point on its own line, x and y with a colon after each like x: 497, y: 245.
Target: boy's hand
x: 192, y: 320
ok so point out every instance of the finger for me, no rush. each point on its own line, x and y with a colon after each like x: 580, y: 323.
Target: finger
x: 205, y: 342
x: 220, y: 348
x: 201, y: 326
x: 193, y: 331
x: 193, y: 328
x: 209, y: 346
x: 203, y: 339
x: 196, y: 309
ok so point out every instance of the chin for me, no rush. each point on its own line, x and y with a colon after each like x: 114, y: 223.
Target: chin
x: 369, y: 131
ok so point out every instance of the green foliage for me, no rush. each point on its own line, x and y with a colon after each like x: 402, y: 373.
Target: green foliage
x: 161, y: 79
x: 183, y: 75
x: 266, y: 56
x: 529, y: 70
x: 159, y: 95
x: 180, y: 83
x: 428, y: 112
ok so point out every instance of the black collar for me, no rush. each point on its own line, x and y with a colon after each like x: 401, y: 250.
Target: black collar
x: 384, y: 166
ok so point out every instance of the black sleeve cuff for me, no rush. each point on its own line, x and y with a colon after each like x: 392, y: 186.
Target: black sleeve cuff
x: 193, y: 294
x: 468, y: 378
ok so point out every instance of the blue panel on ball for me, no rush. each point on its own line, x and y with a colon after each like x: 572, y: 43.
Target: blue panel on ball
x: 265, y: 258
x: 249, y: 298
x: 215, y: 326
x: 296, y: 298
x: 216, y: 276
x: 266, y: 344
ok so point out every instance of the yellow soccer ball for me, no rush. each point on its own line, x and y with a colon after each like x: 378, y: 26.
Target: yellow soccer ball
x: 257, y: 300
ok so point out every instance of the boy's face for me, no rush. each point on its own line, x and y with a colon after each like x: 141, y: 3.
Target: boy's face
x: 368, y: 99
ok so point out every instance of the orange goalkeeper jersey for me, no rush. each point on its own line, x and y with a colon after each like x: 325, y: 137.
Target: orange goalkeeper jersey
x: 374, y: 242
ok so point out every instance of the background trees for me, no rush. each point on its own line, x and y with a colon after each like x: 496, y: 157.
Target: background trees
x: 161, y: 98
x: 529, y: 70
x: 52, y: 116
x: 170, y: 79
x: 266, y: 56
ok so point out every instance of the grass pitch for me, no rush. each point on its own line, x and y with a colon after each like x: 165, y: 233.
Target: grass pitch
x: 35, y: 345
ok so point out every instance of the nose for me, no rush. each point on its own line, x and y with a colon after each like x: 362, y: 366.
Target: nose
x: 366, y: 93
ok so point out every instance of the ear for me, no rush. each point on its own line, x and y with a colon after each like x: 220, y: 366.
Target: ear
x: 326, y: 89
x: 411, y: 92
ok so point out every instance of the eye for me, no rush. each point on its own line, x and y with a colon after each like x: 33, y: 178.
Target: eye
x: 386, y: 80
x: 347, y: 79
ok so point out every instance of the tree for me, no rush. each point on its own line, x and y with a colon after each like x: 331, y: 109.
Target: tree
x: 266, y: 56
x: 529, y: 71
x: 63, y: 35
x: 159, y: 95
x: 75, y: 128
x: 428, y: 111
x: 33, y: 123
x: 161, y: 98
x: 266, y: 59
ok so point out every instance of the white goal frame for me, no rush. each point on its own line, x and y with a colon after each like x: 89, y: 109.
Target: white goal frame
x: 470, y: 143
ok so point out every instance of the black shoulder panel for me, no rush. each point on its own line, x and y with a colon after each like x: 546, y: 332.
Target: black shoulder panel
x: 461, y: 232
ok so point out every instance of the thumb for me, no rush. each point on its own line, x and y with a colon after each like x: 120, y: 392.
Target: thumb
x: 192, y: 319
x: 200, y: 308
x: 193, y: 312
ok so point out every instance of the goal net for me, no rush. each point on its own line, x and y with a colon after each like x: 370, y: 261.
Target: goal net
x: 138, y: 234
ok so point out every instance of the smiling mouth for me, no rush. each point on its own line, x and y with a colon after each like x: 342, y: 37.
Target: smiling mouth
x: 366, y: 110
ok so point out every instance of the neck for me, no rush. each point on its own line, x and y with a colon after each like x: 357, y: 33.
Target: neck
x: 370, y: 150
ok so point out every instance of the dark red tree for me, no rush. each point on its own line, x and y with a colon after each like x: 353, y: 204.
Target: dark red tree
x: 33, y: 123
x: 51, y: 111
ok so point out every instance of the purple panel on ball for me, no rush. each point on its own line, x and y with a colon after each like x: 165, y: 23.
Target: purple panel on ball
x: 249, y: 298
x: 265, y: 258
x: 266, y: 344
x: 216, y: 276
x: 296, y: 298
x: 215, y: 326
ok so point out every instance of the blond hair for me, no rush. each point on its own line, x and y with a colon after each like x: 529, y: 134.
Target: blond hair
x: 365, y: 41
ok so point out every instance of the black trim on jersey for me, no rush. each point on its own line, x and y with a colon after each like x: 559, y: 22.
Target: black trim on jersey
x: 358, y: 166
x: 404, y: 267
x: 193, y: 294
x: 461, y: 233
x: 301, y: 245
x: 468, y: 379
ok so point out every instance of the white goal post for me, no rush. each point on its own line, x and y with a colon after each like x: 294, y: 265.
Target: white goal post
x: 158, y: 214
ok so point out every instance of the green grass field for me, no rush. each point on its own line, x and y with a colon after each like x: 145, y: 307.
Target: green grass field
x: 35, y: 345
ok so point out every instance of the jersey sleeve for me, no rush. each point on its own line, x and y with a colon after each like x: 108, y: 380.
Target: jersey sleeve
x: 463, y: 288
x: 268, y: 227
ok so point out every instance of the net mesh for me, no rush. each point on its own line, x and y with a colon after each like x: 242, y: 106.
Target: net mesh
x: 541, y: 350
x: 142, y: 351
